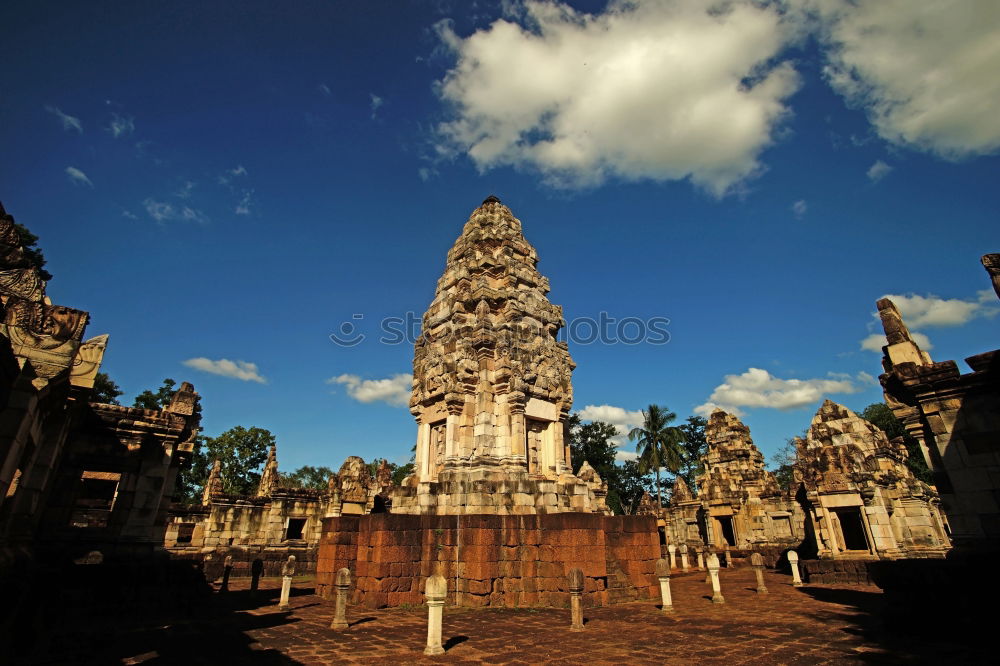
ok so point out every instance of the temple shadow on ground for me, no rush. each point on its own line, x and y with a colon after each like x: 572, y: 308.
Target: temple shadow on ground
x: 910, y: 639
x: 195, y: 627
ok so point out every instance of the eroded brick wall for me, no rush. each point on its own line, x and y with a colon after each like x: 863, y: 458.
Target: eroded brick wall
x: 491, y: 560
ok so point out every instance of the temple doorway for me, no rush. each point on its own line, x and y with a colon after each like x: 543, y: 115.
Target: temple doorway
x: 852, y: 530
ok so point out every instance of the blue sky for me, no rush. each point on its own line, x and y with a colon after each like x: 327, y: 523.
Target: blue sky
x: 234, y: 180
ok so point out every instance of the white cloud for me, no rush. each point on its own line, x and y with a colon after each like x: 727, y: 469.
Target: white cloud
x: 622, y: 419
x: 876, y: 341
x: 920, y: 311
x: 245, y: 203
x: 241, y: 370
x: 121, y: 125
x: 393, y: 390
x: 78, y: 177
x: 325, y: 89
x: 229, y: 174
x: 878, y: 171
x: 799, y: 208
x: 376, y: 103
x: 185, y: 191
x: 162, y: 211
x: 648, y: 89
x: 925, y: 71
x: 69, y: 123
x: 759, y: 388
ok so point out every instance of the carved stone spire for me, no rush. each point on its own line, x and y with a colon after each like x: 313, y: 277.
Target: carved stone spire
x: 991, y: 262
x: 734, y: 466
x: 213, y: 486
x: 269, y: 479
x: 491, y: 381
x: 900, y: 347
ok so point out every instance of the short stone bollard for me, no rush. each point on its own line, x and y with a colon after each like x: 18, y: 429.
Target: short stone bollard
x: 713, y: 573
x: 287, y: 571
x: 256, y: 570
x: 709, y: 553
x: 757, y: 562
x: 793, y: 561
x: 684, y: 557
x: 342, y: 584
x: 436, y: 590
x: 701, y: 559
x: 663, y: 573
x: 576, y: 599
x: 226, y: 570
x: 672, y: 551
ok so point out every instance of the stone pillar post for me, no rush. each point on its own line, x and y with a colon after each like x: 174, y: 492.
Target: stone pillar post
x: 576, y: 599
x: 672, y: 551
x: 793, y: 561
x: 287, y: 571
x: 709, y: 554
x: 663, y: 573
x: 684, y: 557
x: 436, y: 590
x: 342, y: 584
x: 757, y: 562
x: 701, y: 559
x: 713, y: 573
x: 227, y: 569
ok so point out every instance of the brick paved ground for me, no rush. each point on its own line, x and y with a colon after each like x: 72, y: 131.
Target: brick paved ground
x: 813, y: 624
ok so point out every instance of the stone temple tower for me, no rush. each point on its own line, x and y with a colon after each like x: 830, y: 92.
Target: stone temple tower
x: 491, y: 385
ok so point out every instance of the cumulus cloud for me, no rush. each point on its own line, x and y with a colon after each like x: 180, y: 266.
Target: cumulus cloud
x: 799, y: 208
x: 242, y: 370
x: 163, y: 211
x: 759, y: 388
x: 622, y: 419
x: 925, y: 71
x: 121, y: 125
x: 78, y: 177
x: 69, y: 123
x: 878, y: 171
x: 647, y: 89
x: 393, y: 390
x: 920, y: 311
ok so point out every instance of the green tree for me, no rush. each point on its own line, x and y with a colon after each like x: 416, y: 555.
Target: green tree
x: 628, y: 483
x: 783, y: 461
x: 243, y: 451
x: 658, y: 444
x: 159, y: 399
x: 693, y: 447
x: 307, y: 476
x: 880, y: 415
x: 105, y: 390
x: 32, y: 252
x: 594, y: 443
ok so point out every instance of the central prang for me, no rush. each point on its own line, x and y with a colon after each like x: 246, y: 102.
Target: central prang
x: 492, y: 385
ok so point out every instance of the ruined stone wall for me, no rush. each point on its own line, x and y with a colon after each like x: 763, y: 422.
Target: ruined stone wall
x: 491, y: 560
x: 955, y: 417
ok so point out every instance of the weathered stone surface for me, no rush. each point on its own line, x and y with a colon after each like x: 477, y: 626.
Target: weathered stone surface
x: 862, y: 497
x: 491, y: 385
x: 955, y: 418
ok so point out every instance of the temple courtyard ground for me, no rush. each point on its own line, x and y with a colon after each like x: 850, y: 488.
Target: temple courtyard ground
x: 815, y: 624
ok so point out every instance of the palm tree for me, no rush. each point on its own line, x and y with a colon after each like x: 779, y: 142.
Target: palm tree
x: 657, y: 443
